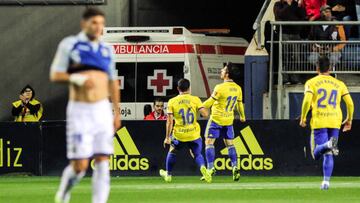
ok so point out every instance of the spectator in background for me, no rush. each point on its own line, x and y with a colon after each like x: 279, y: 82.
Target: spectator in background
x: 342, y: 10
x: 327, y: 33
x: 158, y: 113
x: 147, y: 110
x: 290, y: 10
x: 312, y: 8
x: 27, y: 109
x: 357, y: 7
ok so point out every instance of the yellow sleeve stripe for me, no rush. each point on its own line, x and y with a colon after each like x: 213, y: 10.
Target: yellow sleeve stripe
x: 201, y: 108
x: 213, y: 98
x: 170, y: 113
x: 344, y: 94
x: 309, y: 92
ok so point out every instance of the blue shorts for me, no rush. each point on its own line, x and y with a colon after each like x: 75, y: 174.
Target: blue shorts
x: 195, y: 146
x: 321, y: 136
x: 214, y: 130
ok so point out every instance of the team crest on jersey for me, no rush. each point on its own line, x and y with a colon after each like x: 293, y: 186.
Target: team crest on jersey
x: 105, y: 52
x: 83, y: 47
x: 75, y: 56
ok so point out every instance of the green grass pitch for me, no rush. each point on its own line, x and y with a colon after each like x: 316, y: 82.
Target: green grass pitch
x: 188, y: 189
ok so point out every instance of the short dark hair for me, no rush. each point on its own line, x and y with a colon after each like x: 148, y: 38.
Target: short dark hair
x: 323, y: 64
x: 233, y: 70
x: 28, y: 87
x: 91, y: 12
x: 183, y: 85
x: 147, y: 109
x: 158, y: 99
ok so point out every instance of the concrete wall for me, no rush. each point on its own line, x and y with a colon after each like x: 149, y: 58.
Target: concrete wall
x: 28, y: 40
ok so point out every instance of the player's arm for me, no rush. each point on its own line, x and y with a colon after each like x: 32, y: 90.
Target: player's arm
x: 209, y: 102
x: 115, y: 96
x: 350, y: 112
x: 240, y: 107
x: 204, y: 112
x: 305, y: 107
x: 169, y: 128
x: 60, y: 64
x: 214, y: 96
x: 169, y: 123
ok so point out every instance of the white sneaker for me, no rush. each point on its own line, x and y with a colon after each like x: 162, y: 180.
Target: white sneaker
x: 165, y: 175
x: 325, y: 185
x: 60, y: 198
x: 332, y: 143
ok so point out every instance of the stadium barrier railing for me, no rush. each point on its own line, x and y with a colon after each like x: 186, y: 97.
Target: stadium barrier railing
x: 300, y: 57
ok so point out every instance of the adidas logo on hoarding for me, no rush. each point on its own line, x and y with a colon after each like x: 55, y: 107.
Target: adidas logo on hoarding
x: 126, y: 155
x: 250, y: 153
x: 123, y: 137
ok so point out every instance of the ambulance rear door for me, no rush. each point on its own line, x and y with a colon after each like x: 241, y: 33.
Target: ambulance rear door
x: 205, y: 70
x: 148, y: 70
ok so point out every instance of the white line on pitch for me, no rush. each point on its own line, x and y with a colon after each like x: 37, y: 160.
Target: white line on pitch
x: 229, y: 186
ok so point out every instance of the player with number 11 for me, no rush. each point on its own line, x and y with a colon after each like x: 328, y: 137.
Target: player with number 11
x: 226, y: 97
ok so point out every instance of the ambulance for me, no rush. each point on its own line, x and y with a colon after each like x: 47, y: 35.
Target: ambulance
x: 150, y: 61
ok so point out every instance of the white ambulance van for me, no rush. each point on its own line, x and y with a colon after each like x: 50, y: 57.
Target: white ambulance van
x: 150, y: 61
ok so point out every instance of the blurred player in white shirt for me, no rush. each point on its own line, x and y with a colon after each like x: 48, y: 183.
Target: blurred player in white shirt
x: 86, y: 64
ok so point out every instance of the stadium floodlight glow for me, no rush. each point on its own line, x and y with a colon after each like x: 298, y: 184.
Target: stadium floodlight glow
x: 51, y: 2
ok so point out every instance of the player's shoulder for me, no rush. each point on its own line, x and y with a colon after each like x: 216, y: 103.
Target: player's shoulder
x: 172, y: 100
x: 195, y: 98
x: 106, y: 45
x: 236, y: 85
x: 340, y: 82
x: 219, y: 86
x: 312, y: 80
x: 68, y: 42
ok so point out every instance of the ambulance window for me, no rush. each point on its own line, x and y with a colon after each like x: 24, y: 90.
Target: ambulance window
x: 126, y: 72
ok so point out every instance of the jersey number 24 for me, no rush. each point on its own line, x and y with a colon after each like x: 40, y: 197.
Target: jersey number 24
x: 323, y: 96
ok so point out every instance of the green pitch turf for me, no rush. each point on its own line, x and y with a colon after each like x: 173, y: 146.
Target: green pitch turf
x: 188, y: 189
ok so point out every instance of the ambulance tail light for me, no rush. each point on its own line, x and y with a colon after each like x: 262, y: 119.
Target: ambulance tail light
x: 178, y: 31
x: 137, y: 38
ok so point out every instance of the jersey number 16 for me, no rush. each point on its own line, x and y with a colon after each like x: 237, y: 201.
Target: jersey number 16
x: 187, y: 117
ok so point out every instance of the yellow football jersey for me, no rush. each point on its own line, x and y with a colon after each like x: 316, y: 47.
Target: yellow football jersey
x: 327, y: 93
x: 184, y: 107
x: 226, y: 96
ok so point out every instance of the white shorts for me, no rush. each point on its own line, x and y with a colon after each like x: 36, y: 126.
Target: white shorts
x: 89, y: 129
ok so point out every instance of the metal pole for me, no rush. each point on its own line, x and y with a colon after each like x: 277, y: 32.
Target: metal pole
x: 259, y: 38
x: 257, y: 23
x: 280, y: 79
x: 294, y: 23
x: 271, y: 71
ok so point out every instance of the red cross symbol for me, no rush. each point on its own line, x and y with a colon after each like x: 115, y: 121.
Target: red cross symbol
x: 159, y: 82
